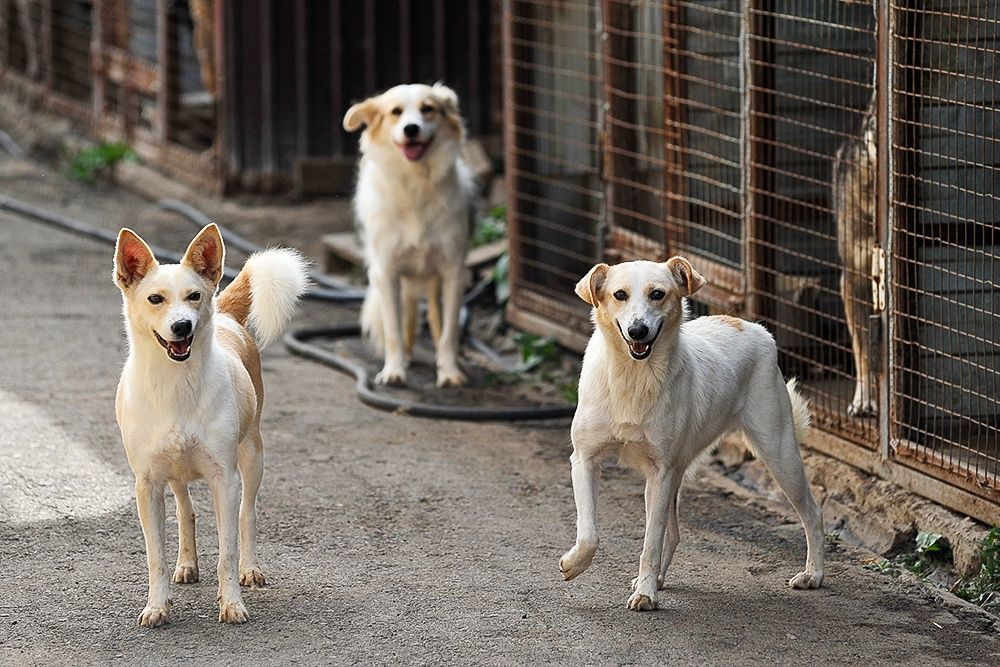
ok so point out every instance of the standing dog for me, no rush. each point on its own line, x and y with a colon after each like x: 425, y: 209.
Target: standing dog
x: 412, y: 204
x: 853, y: 196
x: 657, y: 391
x: 190, y: 397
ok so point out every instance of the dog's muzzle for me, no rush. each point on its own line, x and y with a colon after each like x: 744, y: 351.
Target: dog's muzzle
x: 639, y: 349
x: 177, y: 350
x: 413, y: 149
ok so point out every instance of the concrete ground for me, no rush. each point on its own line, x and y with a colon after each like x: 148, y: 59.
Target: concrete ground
x: 385, y: 539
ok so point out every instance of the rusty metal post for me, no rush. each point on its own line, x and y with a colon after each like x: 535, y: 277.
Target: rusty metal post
x: 673, y: 119
x: 510, y: 148
x: 884, y: 217
x: 164, y: 71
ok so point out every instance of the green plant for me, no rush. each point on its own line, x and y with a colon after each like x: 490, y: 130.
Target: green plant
x: 491, y: 228
x: 984, y: 588
x: 535, y: 350
x: 931, y: 552
x: 501, y: 283
x: 85, y: 165
x: 569, y: 390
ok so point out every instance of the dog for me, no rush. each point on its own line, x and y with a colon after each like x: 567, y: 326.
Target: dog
x: 190, y: 396
x: 412, y: 205
x: 854, y: 199
x: 658, y: 391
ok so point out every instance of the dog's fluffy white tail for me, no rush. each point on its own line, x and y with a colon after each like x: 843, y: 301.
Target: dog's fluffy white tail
x: 801, y: 414
x: 264, y: 294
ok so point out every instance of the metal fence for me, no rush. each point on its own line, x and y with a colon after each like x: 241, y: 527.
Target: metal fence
x: 243, y: 94
x: 828, y: 165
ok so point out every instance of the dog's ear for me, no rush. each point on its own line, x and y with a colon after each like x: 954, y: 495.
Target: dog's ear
x: 362, y: 113
x: 688, y: 280
x: 448, y: 99
x: 133, y: 259
x: 589, y: 287
x: 206, y: 254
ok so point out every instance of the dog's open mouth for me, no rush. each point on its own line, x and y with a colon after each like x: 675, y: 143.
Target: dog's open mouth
x: 638, y: 349
x: 178, y: 350
x: 414, y: 150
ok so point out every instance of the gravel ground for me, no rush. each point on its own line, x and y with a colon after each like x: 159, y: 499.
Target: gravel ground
x: 385, y: 539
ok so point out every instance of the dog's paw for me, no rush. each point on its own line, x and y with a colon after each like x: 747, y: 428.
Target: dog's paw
x: 233, y: 612
x: 154, y: 617
x: 455, y: 378
x: 859, y: 409
x: 252, y: 577
x: 805, y: 580
x: 642, y: 602
x: 635, y: 583
x: 391, y: 377
x: 576, y: 561
x: 185, y: 575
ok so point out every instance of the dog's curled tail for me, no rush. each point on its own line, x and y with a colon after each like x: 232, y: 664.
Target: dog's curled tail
x: 264, y: 294
x: 801, y: 414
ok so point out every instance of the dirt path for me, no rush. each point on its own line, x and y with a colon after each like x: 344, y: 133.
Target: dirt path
x: 385, y: 539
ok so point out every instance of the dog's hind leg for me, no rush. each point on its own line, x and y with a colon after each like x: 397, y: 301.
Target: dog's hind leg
x: 768, y: 427
x: 186, y: 571
x: 434, y: 310
x: 448, y: 372
x: 251, y: 464
x: 150, y: 503
x: 225, y: 487
x: 576, y: 561
x: 660, y: 492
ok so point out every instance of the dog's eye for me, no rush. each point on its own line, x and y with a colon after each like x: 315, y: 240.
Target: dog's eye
x: 194, y: 296
x: 155, y: 299
x: 398, y: 111
x: 427, y: 109
x: 621, y: 295
x: 657, y: 294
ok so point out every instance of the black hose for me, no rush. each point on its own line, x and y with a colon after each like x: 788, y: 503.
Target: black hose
x: 296, y: 339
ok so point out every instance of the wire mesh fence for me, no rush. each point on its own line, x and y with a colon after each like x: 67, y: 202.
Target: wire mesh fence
x: 762, y: 139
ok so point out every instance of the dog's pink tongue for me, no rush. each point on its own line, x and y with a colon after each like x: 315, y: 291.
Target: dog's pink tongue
x: 414, y: 151
x: 639, y: 348
x: 180, y: 347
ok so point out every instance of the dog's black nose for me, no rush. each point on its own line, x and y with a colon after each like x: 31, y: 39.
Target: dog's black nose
x: 638, y: 331
x: 411, y: 130
x: 182, y: 328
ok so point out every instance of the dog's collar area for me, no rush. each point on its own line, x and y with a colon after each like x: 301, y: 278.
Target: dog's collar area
x: 177, y: 350
x: 638, y: 349
x: 414, y: 150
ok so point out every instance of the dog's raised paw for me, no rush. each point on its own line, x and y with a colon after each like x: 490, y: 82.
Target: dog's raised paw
x: 253, y: 578
x: 154, y: 617
x: 233, y: 612
x: 641, y: 602
x: 185, y: 575
x: 575, y: 562
x: 806, y: 580
x: 451, y: 379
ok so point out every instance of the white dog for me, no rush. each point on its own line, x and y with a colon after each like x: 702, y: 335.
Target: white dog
x: 190, y: 397
x: 412, y: 204
x: 657, y: 391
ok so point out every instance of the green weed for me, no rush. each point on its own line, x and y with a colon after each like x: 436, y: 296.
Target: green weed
x: 86, y: 165
x: 984, y: 588
x: 491, y: 228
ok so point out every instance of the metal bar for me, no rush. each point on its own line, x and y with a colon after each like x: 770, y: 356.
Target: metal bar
x: 474, y: 102
x: 884, y: 217
x: 164, y: 70
x: 673, y: 122
x: 46, y: 43
x: 336, y: 79
x: 302, y: 97
x: 266, y: 46
x: 511, y: 158
x: 224, y: 108
x: 405, y: 47
x: 99, y: 82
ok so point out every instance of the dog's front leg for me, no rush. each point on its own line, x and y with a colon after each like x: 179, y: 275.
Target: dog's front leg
x: 394, y: 369
x: 659, y: 491
x: 578, y: 559
x: 448, y: 372
x: 150, y: 503
x: 226, y: 496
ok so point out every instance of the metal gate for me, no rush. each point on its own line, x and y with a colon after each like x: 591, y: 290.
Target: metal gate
x: 828, y: 165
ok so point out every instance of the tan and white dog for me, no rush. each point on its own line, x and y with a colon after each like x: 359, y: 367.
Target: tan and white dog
x: 657, y: 391
x: 412, y: 204
x: 190, y: 397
